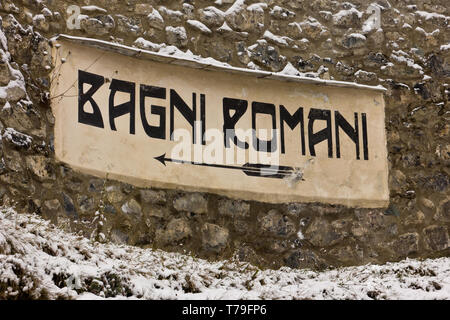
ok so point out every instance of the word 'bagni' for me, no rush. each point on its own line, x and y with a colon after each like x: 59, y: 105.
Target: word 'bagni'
x: 233, y: 110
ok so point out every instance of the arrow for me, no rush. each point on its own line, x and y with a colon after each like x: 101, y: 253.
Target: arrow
x: 255, y: 170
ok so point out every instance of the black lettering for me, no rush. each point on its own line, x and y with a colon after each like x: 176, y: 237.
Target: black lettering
x: 340, y: 122
x: 292, y: 121
x: 158, y: 132
x: 95, y: 118
x: 188, y: 113
x: 203, y: 117
x: 364, y: 134
x: 264, y: 145
x: 229, y: 122
x: 123, y: 108
x: 324, y: 134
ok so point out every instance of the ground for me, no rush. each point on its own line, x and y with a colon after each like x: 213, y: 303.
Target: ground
x: 38, y: 260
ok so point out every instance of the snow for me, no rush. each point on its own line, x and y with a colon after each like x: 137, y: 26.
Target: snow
x: 171, y: 13
x: 402, y: 57
x: 3, y: 40
x: 445, y: 47
x: 357, y: 36
x: 212, y: 11
x: 257, y: 7
x: 93, y: 8
x: 16, y: 137
x: 344, y: 13
x: 199, y: 26
x: 146, y: 44
x: 282, y: 41
x: 237, y: 6
x: 155, y: 15
x: 431, y: 15
x: 224, y: 28
x: 289, y: 69
x: 38, y: 260
x: 205, y: 63
x: 277, y: 10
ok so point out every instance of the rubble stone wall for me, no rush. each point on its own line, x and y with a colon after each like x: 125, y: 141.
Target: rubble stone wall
x: 401, y: 44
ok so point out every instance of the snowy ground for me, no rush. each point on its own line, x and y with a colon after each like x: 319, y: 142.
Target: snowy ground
x: 38, y: 260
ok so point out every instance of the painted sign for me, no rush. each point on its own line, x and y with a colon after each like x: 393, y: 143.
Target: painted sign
x: 160, y: 121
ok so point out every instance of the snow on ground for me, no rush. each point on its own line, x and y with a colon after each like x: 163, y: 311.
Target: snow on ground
x: 38, y: 260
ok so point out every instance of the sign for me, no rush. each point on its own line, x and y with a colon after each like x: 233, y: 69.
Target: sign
x: 159, y: 121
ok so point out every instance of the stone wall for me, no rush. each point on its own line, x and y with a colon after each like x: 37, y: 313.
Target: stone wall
x: 409, y: 54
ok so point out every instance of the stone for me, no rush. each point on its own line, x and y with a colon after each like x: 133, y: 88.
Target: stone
x: 119, y: 237
x: 365, y: 76
x: 296, y: 208
x: 313, y: 29
x: 214, y: 237
x: 320, y: 233
x: 242, y: 52
x: 436, y: 237
x: 256, y: 18
x: 437, y: 65
x: 99, y: 26
x: 267, y: 55
x: 12, y: 161
x: 375, y: 60
x: 158, y: 212
x: 114, y: 194
x: 437, y: 182
x: 276, y: 224
x: 110, y: 209
x: 237, y: 16
x: 15, y: 92
x: 415, y: 218
x: 247, y: 254
x: 347, y: 254
x: 173, y: 16
x: 143, y: 9
x: 5, y: 74
x: 176, y: 230
x: 294, y: 30
x: 96, y: 185
x: 198, y: 26
x: 280, y: 13
x: 20, y: 117
x: 176, y: 36
x: 41, y: 167
x: 153, y: 196
x: 129, y: 26
x: 372, y: 219
x: 155, y: 20
x: 354, y: 40
x: 133, y: 208
x: 427, y: 204
x: 406, y: 244
x: 68, y: 206
x: 230, y: 34
x: 86, y: 204
x: 278, y: 246
x: 192, y: 202
x: 234, y: 208
x: 443, y: 212
x: 189, y: 10
x: 211, y: 16
x: 240, y: 226
x: 304, y: 259
x: 41, y: 23
x: 53, y: 204
x: 347, y: 18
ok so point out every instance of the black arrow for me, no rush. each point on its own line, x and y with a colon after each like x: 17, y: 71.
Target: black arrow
x: 255, y: 170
